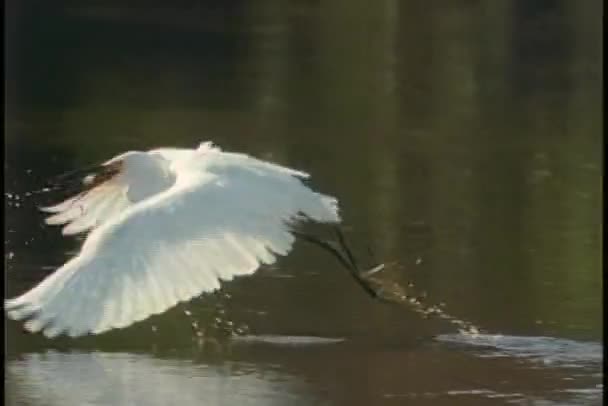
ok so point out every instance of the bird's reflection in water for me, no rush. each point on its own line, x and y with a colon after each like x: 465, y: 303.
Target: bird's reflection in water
x: 102, y: 378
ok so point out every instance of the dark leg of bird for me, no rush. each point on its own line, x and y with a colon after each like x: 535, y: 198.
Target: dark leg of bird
x: 344, y: 255
x: 326, y: 245
x: 345, y: 248
x: 342, y: 252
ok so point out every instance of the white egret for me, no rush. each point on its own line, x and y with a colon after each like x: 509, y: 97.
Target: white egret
x: 165, y: 226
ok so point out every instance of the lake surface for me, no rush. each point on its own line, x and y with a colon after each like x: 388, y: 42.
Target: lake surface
x: 464, y: 143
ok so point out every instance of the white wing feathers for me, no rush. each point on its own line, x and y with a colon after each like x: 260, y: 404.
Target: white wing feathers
x: 211, y: 225
x: 84, y: 212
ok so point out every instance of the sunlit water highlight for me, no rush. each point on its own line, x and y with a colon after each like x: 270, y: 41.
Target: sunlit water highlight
x: 100, y: 378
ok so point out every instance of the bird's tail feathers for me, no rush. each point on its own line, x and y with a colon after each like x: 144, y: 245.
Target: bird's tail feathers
x: 322, y: 208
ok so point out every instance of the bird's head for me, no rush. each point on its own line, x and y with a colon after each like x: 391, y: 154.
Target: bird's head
x: 102, y: 174
x: 130, y: 161
x: 140, y: 170
x: 145, y: 173
x: 136, y: 164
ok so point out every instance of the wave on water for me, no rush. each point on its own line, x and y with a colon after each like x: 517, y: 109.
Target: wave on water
x: 547, y: 350
x: 286, y: 340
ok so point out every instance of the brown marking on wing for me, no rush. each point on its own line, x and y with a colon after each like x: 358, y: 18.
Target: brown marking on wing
x: 105, y: 174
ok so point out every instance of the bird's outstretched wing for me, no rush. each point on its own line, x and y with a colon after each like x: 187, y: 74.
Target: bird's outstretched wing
x: 89, y: 209
x: 212, y: 225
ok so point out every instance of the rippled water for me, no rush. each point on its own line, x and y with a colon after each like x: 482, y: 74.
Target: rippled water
x: 463, y: 141
x: 544, y: 350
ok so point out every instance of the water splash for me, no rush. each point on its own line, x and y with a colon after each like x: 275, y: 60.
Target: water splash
x: 215, y: 323
x: 393, y: 292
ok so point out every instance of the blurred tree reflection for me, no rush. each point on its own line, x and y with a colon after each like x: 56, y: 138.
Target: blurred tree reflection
x: 478, y: 121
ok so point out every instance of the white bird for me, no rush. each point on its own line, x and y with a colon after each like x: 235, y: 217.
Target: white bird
x: 165, y: 226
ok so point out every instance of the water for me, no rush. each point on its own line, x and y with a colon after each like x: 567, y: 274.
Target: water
x: 463, y: 141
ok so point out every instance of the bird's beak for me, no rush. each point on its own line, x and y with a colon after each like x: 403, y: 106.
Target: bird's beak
x: 89, y: 176
x: 102, y: 174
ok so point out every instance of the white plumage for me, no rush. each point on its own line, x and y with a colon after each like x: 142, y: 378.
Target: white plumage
x: 168, y: 225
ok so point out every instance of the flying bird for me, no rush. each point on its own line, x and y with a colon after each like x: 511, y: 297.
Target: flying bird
x: 165, y: 226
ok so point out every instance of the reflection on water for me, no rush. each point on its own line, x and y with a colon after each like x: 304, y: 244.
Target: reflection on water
x: 100, y: 378
x: 463, y: 140
x: 245, y: 372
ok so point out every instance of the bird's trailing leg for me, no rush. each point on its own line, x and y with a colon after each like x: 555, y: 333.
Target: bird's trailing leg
x: 344, y: 255
x: 393, y: 294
